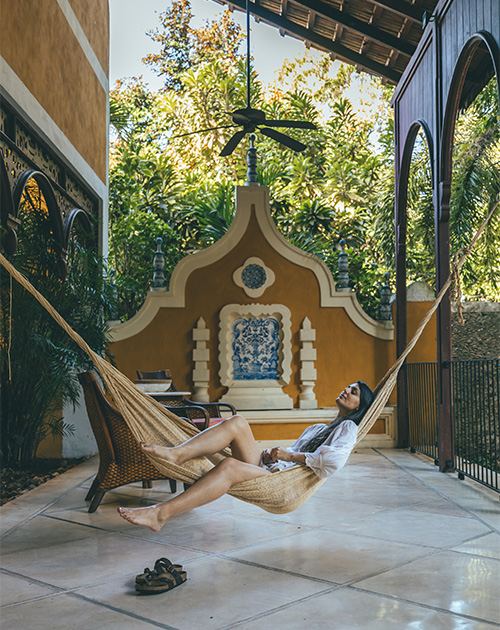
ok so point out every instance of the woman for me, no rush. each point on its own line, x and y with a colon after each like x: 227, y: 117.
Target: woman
x: 324, y: 448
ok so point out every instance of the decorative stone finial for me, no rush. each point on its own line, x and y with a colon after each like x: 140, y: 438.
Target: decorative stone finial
x: 385, y: 310
x: 343, y: 283
x: 252, y: 163
x: 159, y: 268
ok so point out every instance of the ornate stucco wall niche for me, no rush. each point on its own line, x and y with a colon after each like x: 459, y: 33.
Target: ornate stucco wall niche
x: 255, y: 355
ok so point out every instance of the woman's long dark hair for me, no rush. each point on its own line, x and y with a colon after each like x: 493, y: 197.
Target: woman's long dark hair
x: 365, y: 400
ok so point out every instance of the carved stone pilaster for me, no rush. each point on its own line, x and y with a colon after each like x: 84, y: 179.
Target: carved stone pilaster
x: 307, y: 399
x: 201, y: 356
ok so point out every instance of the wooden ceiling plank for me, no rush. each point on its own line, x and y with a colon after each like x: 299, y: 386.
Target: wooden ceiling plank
x: 377, y: 12
x: 354, y: 24
x: 319, y: 41
x: 402, y: 8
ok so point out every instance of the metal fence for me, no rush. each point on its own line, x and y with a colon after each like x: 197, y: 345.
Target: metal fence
x: 476, y: 416
x: 422, y: 406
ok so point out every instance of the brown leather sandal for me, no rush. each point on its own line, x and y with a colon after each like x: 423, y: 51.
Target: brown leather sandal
x: 161, y: 564
x: 164, y: 579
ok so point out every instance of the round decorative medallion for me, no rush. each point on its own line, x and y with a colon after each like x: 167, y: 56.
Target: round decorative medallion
x: 254, y: 276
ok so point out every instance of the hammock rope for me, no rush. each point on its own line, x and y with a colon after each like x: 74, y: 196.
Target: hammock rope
x: 150, y: 422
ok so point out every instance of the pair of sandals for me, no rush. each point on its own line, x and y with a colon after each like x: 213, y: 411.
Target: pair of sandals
x: 164, y: 577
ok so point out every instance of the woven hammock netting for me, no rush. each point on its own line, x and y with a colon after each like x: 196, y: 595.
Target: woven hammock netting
x: 150, y: 422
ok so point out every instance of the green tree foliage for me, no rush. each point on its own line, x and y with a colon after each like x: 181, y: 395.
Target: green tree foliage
x: 183, y: 47
x: 39, y: 362
x: 475, y: 189
x: 341, y: 186
x: 131, y: 248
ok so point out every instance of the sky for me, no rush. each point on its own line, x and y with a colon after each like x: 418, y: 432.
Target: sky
x: 131, y: 19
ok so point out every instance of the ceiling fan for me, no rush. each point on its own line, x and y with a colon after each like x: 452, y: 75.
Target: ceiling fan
x: 252, y: 119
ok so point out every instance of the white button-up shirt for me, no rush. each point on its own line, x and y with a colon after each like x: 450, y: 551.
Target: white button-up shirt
x: 328, y: 458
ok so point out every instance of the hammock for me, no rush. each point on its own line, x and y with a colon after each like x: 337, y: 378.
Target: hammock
x: 150, y: 422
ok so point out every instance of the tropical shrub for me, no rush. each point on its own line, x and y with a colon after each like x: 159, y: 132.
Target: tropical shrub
x: 39, y: 362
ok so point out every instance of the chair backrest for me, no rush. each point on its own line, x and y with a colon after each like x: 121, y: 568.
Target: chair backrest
x: 114, y: 438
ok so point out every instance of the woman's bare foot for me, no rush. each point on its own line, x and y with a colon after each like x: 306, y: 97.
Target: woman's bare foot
x: 146, y: 517
x: 171, y: 454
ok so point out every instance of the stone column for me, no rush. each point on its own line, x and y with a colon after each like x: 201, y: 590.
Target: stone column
x: 201, y: 356
x: 307, y: 399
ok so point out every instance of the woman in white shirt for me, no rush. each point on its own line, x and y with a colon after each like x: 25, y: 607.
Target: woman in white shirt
x: 323, y: 448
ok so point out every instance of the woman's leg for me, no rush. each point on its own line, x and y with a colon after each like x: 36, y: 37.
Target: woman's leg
x: 234, y: 432
x: 208, y: 488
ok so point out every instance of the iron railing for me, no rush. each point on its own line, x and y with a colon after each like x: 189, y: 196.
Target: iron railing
x: 476, y: 395
x: 475, y: 387
x: 422, y: 407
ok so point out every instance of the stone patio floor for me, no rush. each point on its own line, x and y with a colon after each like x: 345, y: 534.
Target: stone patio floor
x: 387, y: 543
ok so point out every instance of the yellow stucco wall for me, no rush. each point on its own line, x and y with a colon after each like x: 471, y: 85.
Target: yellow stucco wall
x: 39, y: 45
x: 93, y: 16
x: 344, y: 352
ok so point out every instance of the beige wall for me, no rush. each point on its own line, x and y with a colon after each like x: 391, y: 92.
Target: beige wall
x: 39, y: 45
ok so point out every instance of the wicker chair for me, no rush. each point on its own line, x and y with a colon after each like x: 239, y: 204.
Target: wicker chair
x: 214, y: 409
x: 121, y: 461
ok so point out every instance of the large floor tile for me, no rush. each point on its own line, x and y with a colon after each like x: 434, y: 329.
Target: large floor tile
x: 400, y: 491
x: 346, y: 609
x: 218, y: 593
x: 42, y: 531
x: 319, y: 512
x: 91, y: 560
x: 441, y: 506
x: 73, y: 508
x: 14, y: 590
x: 488, y: 546
x: 216, y: 532
x: 435, y: 530
x: 334, y: 556
x: 480, y: 501
x: 66, y: 612
x: 460, y: 583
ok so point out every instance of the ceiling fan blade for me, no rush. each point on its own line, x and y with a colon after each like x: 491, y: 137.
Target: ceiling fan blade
x: 233, y: 143
x: 295, y: 145
x: 294, y: 124
x: 191, y: 133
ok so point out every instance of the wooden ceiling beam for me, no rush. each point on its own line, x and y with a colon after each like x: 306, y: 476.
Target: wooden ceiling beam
x: 354, y: 24
x: 319, y: 41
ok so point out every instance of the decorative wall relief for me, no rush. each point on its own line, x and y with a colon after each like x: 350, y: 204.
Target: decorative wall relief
x: 255, y: 348
x: 255, y: 355
x: 253, y: 277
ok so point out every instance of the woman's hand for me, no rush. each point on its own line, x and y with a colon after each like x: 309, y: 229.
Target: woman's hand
x: 272, y: 455
x: 267, y: 457
x: 278, y: 453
